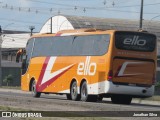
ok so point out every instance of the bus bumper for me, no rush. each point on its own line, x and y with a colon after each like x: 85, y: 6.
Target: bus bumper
x: 128, y: 90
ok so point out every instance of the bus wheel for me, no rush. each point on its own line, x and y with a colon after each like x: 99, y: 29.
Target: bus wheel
x: 74, y: 92
x: 99, y: 97
x: 84, y: 91
x: 121, y: 99
x: 84, y: 94
x: 34, y: 91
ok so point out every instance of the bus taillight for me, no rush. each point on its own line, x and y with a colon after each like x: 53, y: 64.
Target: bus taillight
x: 154, y: 79
x: 110, y: 75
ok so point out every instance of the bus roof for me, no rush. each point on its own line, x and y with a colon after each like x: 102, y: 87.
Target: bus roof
x: 81, y: 32
x: 42, y: 35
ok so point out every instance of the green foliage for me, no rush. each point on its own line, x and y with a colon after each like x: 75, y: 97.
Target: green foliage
x: 8, y: 79
x: 157, y: 85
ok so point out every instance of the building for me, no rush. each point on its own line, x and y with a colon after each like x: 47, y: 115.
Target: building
x: 14, y: 39
x: 11, y: 42
x: 57, y: 23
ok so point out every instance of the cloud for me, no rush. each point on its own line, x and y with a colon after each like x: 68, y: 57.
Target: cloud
x: 25, y: 3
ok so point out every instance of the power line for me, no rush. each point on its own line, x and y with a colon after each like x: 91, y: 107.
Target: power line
x: 60, y: 10
x: 50, y: 11
x: 37, y: 1
x: 137, y: 5
x: 125, y: 11
x: 126, y: 1
x: 68, y: 5
x: 36, y: 10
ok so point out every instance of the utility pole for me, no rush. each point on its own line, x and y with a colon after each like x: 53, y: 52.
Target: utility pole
x: 51, y: 25
x: 141, y: 16
x: 1, y: 56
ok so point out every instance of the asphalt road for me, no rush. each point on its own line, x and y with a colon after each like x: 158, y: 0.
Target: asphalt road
x: 24, y: 101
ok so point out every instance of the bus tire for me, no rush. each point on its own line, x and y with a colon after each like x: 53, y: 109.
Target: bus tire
x: 84, y: 94
x: 34, y: 91
x: 121, y: 99
x: 99, y: 97
x: 74, y: 92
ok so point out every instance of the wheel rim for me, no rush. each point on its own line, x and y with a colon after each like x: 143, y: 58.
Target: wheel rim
x: 84, y: 91
x: 74, y: 90
x: 33, y: 88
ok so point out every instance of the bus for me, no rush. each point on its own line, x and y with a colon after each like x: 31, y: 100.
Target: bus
x: 91, y: 64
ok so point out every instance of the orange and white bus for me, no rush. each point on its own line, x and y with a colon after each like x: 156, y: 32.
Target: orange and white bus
x: 90, y: 64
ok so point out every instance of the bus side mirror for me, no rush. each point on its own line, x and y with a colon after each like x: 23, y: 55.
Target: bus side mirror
x: 18, y: 56
x: 24, y: 57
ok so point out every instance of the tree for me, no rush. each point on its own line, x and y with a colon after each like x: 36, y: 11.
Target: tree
x: 157, y: 85
x: 8, y: 79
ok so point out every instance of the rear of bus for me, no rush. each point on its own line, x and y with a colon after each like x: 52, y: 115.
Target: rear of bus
x: 133, y: 66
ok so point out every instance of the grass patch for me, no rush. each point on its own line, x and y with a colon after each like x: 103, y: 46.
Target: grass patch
x: 154, y: 98
x: 11, y: 87
x: 7, y: 108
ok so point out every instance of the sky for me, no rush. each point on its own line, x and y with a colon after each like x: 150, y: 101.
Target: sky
x: 20, y: 14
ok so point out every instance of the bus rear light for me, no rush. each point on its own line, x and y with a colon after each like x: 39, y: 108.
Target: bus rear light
x: 110, y: 75
x: 154, y: 79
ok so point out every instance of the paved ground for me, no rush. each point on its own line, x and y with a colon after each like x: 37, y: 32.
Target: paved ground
x: 24, y: 101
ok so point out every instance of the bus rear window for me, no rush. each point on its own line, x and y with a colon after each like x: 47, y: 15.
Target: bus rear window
x: 135, y: 41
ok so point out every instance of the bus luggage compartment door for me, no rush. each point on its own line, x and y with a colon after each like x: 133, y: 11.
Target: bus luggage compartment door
x: 133, y: 72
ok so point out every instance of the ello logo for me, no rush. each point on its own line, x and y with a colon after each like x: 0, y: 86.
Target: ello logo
x: 134, y: 41
x: 87, y: 68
